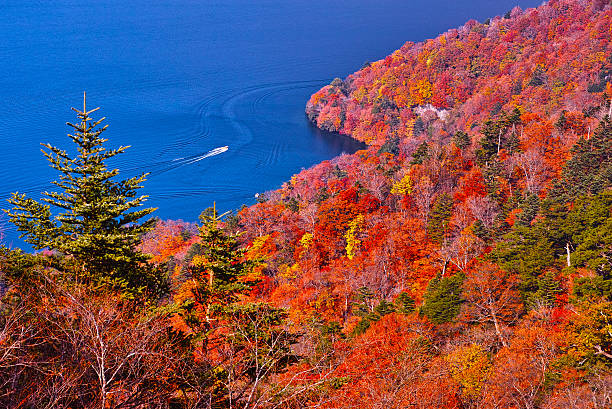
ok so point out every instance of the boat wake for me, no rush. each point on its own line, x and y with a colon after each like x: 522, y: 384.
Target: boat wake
x: 197, y: 158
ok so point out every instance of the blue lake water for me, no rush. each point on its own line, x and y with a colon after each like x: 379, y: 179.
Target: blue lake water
x: 178, y: 79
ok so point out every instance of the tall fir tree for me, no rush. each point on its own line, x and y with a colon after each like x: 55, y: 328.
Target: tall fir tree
x: 220, y: 271
x: 96, y: 218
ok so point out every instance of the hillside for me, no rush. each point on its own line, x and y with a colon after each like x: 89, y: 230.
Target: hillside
x: 490, y: 149
x: 544, y: 60
x: 462, y: 260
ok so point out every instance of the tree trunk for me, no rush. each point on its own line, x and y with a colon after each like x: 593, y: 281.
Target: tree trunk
x: 498, y: 331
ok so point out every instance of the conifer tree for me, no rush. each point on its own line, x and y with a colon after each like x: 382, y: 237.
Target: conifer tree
x: 530, y: 209
x: 442, y: 300
x: 220, y: 271
x: 404, y: 304
x: 548, y: 288
x: 96, y: 218
x: 439, y: 217
x: 462, y: 140
x: 589, y: 171
x: 420, y: 154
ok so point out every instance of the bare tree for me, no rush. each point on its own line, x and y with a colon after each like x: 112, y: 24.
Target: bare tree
x: 484, y: 209
x: 533, y: 168
x: 492, y: 297
x: 86, y: 350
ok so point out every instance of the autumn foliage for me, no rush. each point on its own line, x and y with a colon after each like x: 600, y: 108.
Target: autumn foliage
x: 461, y: 260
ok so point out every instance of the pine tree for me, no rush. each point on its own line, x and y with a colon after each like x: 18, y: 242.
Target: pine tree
x: 480, y: 230
x: 420, y: 154
x: 97, y: 223
x: 462, y: 140
x: 546, y: 295
x: 530, y: 209
x: 233, y: 341
x: 589, y: 171
x: 442, y: 300
x: 391, y: 146
x: 439, y: 218
x: 526, y: 251
x: 404, y: 304
x: 220, y: 271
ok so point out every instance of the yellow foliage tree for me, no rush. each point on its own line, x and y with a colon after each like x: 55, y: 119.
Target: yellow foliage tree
x: 469, y: 367
x: 421, y: 92
x: 402, y: 187
x: 352, y: 242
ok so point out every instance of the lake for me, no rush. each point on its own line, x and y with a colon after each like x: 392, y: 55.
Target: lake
x: 179, y: 80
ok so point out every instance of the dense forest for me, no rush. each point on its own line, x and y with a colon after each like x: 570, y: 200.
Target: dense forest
x: 462, y: 260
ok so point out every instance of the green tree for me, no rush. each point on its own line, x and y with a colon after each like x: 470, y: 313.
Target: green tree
x: 538, y: 77
x: 220, y: 270
x: 439, y: 217
x: 462, y: 140
x: 369, y: 312
x: 528, y: 252
x: 233, y: 343
x: 97, y: 223
x: 420, y: 154
x: 589, y: 224
x: 530, y: 209
x: 589, y: 171
x: 495, y: 138
x: 391, y: 146
x: 404, y: 304
x: 546, y: 294
x: 442, y: 300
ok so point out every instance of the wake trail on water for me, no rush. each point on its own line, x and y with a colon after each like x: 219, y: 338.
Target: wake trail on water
x: 166, y: 166
x: 197, y: 158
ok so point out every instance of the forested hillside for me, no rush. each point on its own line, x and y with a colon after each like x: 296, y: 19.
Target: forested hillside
x: 462, y: 260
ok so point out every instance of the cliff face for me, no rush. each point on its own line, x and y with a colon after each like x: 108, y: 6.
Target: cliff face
x: 542, y: 60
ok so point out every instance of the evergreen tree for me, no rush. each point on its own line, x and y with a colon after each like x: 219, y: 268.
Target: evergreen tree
x: 589, y: 228
x: 368, y: 317
x: 494, y: 136
x: 562, y: 121
x: 546, y: 294
x: 589, y: 171
x: 480, y: 230
x: 462, y: 140
x: 590, y: 224
x: 538, y: 77
x: 490, y: 143
x: 249, y: 337
x: 439, y: 218
x: 369, y: 313
x: 391, y: 146
x: 383, y: 308
x: 220, y: 272
x: 363, y: 306
x: 419, y: 126
x: 526, y: 251
x: 404, y: 304
x: 98, y: 221
x: 530, y: 209
x: 442, y: 300
x: 513, y: 143
x: 420, y: 154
